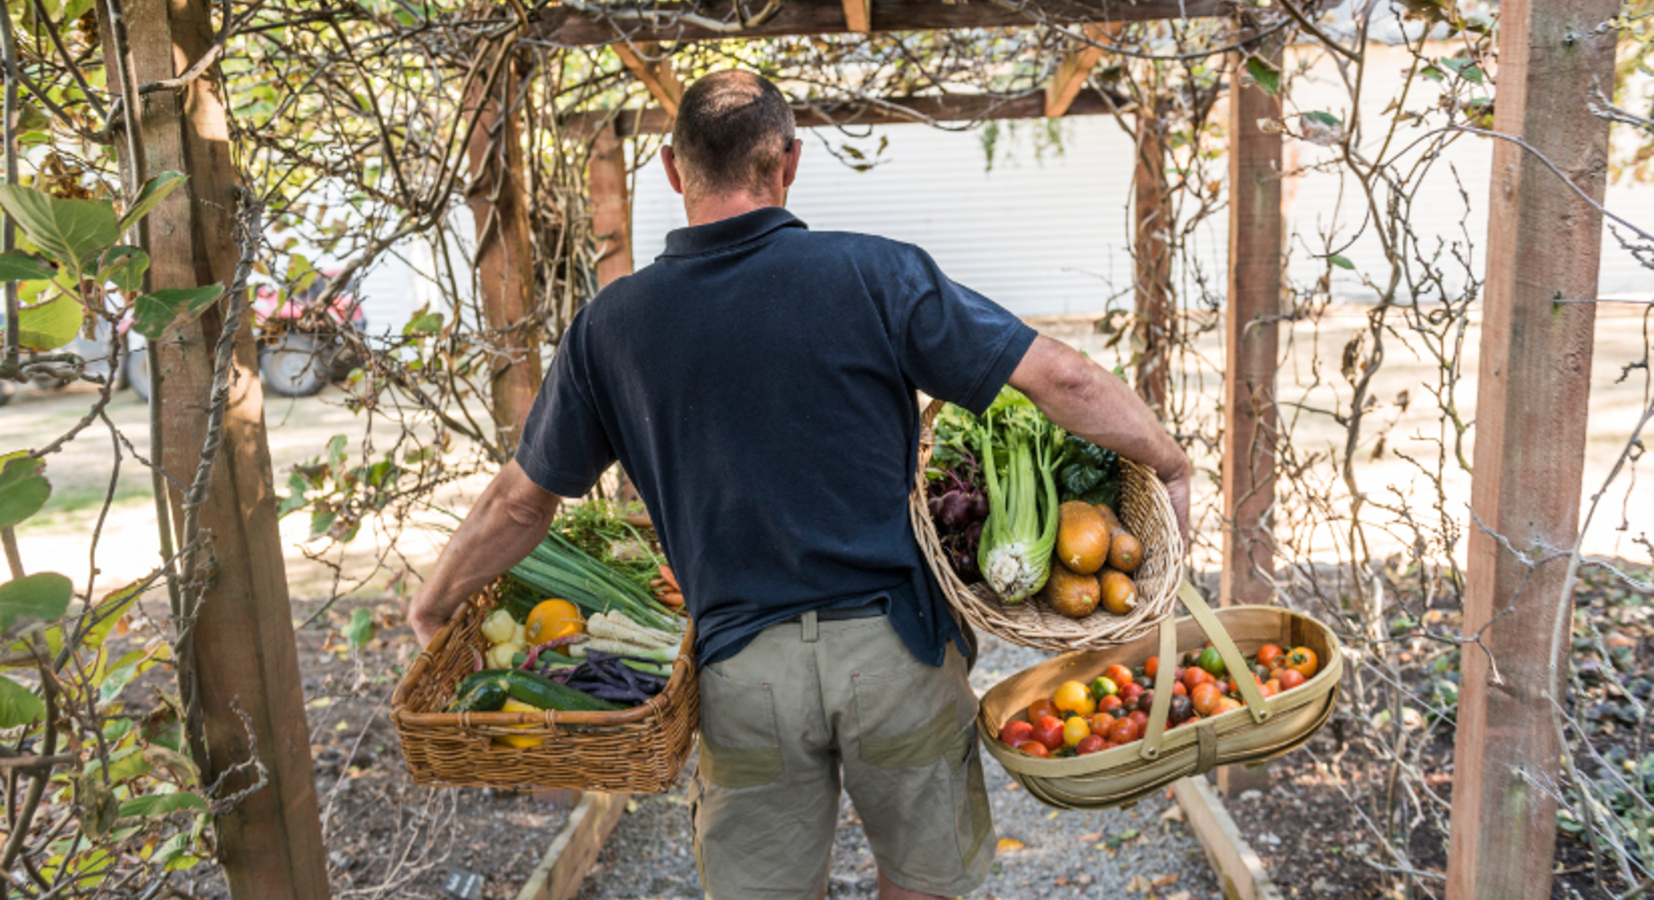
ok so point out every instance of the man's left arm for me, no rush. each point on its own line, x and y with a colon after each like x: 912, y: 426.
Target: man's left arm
x: 509, y: 519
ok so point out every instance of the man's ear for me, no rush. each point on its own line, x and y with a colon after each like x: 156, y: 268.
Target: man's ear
x: 670, y: 161
x: 789, y: 166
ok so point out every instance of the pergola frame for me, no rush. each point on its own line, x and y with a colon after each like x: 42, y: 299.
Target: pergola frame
x: 1494, y: 853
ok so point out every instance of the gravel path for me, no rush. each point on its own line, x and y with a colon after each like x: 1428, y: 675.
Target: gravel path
x: 1144, y: 852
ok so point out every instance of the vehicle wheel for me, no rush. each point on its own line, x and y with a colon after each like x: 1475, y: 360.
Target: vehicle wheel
x: 137, y: 372
x: 292, y: 367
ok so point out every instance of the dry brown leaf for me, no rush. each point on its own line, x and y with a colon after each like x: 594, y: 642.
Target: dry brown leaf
x: 1172, y: 814
x: 1139, y: 885
x: 1008, y: 844
x: 1164, y: 880
x: 1091, y: 837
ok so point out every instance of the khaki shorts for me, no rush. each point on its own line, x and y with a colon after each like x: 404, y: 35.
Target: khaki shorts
x: 808, y: 706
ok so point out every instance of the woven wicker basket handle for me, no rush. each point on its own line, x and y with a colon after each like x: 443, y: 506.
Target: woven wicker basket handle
x: 1232, y: 658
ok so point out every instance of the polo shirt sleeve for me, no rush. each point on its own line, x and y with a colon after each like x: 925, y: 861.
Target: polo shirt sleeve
x: 955, y: 344
x: 564, y: 448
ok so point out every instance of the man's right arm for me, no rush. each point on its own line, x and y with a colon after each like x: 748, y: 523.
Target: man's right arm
x: 508, y: 520
x: 1088, y: 400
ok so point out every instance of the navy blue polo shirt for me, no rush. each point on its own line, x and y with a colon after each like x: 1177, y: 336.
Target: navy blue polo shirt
x: 757, y: 383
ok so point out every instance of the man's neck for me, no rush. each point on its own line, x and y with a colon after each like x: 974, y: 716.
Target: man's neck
x: 706, y: 210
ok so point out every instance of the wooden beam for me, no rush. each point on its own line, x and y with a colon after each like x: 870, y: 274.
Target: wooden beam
x: 651, y: 65
x: 1075, y: 68
x: 570, y: 857
x: 1237, y: 865
x: 1251, y: 341
x: 858, y: 16
x: 238, y: 663
x: 571, y: 25
x: 949, y: 108
x: 505, y: 263
x: 611, y: 207
x: 1544, y: 243
x: 1151, y: 249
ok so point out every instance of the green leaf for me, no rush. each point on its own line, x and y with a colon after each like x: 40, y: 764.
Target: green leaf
x: 72, y: 232
x: 23, y: 490
x: 163, y: 804
x: 429, y: 323
x: 43, y: 595
x: 1267, y: 76
x: 125, y: 764
x: 295, y: 498
x: 320, y: 522
x: 301, y: 274
x: 1432, y: 73
x: 18, y: 704
x: 20, y: 266
x: 1340, y: 261
x: 51, y: 324
x: 1324, y: 118
x: 360, y: 630
x: 126, y: 267
x: 157, y: 310
x: 153, y: 192
x: 337, y: 448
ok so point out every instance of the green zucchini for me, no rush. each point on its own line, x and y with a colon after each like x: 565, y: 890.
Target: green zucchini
x: 543, y: 693
x: 486, y: 695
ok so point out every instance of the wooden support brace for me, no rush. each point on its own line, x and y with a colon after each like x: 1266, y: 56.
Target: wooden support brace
x: 1533, y: 391
x: 650, y: 64
x: 1075, y: 69
x: 858, y: 15
x: 611, y: 206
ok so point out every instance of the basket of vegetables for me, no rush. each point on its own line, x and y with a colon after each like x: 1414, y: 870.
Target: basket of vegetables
x: 568, y: 672
x: 1101, y: 728
x: 1039, y: 536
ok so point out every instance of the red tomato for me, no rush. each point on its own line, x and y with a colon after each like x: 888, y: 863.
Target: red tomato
x: 1120, y: 675
x: 1290, y: 678
x: 1041, y: 708
x: 1178, y: 688
x: 1091, y: 743
x: 1268, y: 654
x: 1125, y: 731
x: 1129, y: 694
x: 1110, y: 703
x: 1140, y: 717
x: 1034, y: 748
x: 1100, y: 722
x: 1015, y: 732
x: 1152, y: 667
x: 1194, y: 676
x: 1303, y: 661
x: 1049, y: 732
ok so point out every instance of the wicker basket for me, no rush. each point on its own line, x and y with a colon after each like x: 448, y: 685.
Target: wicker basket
x: 1146, y: 511
x: 637, y: 750
x: 1264, y: 728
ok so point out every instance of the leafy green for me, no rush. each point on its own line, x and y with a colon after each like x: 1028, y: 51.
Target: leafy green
x: 1088, y: 472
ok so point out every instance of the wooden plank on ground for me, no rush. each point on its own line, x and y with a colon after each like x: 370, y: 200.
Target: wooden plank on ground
x: 1239, y: 869
x: 567, y: 25
x: 949, y: 108
x: 572, y: 853
x: 651, y: 65
x: 1544, y: 244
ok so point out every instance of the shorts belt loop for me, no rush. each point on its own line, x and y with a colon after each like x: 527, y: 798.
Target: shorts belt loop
x: 810, y: 630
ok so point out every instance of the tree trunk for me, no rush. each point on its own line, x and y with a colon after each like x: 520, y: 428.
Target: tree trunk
x: 505, y: 264
x: 239, y: 661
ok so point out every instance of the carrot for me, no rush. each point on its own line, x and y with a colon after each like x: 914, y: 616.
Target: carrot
x: 672, y: 598
x: 671, y: 579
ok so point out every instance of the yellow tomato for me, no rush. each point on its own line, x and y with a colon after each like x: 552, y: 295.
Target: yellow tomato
x: 1075, y: 730
x: 519, y: 741
x: 1073, y: 696
x: 553, y: 619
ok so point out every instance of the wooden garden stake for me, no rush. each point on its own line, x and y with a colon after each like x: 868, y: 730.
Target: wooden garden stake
x: 1544, y: 243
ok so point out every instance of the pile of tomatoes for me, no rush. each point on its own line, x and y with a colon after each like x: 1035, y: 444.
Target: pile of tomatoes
x: 1113, y: 710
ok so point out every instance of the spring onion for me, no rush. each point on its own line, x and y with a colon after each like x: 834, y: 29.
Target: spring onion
x: 557, y: 568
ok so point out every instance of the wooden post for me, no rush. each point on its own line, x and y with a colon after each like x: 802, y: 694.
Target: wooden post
x: 505, y: 265
x: 1252, y: 342
x: 1544, y: 243
x: 611, y: 207
x: 858, y: 15
x: 1152, y: 248
x: 241, y: 660
x: 649, y: 63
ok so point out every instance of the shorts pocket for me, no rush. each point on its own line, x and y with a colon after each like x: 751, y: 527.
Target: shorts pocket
x: 740, y: 741
x: 974, y: 820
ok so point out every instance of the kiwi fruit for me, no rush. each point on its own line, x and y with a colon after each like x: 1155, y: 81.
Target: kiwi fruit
x: 1125, y: 553
x: 1119, y: 592
x: 1070, y: 593
x: 1083, y: 537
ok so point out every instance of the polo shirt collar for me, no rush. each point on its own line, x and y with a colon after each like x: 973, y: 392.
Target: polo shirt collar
x: 731, y: 232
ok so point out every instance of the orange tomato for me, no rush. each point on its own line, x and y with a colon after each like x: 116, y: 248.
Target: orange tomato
x: 1274, y: 685
x: 1100, y: 722
x: 1178, y: 688
x: 1226, y: 704
x: 1039, y: 709
x: 1205, y: 698
x: 1152, y: 667
x: 1303, y: 661
x: 1110, y: 703
x: 1194, y: 676
x: 1268, y: 654
x: 1118, y: 674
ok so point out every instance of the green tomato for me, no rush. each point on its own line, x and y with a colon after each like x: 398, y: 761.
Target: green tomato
x: 1104, y: 687
x: 1212, y: 661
